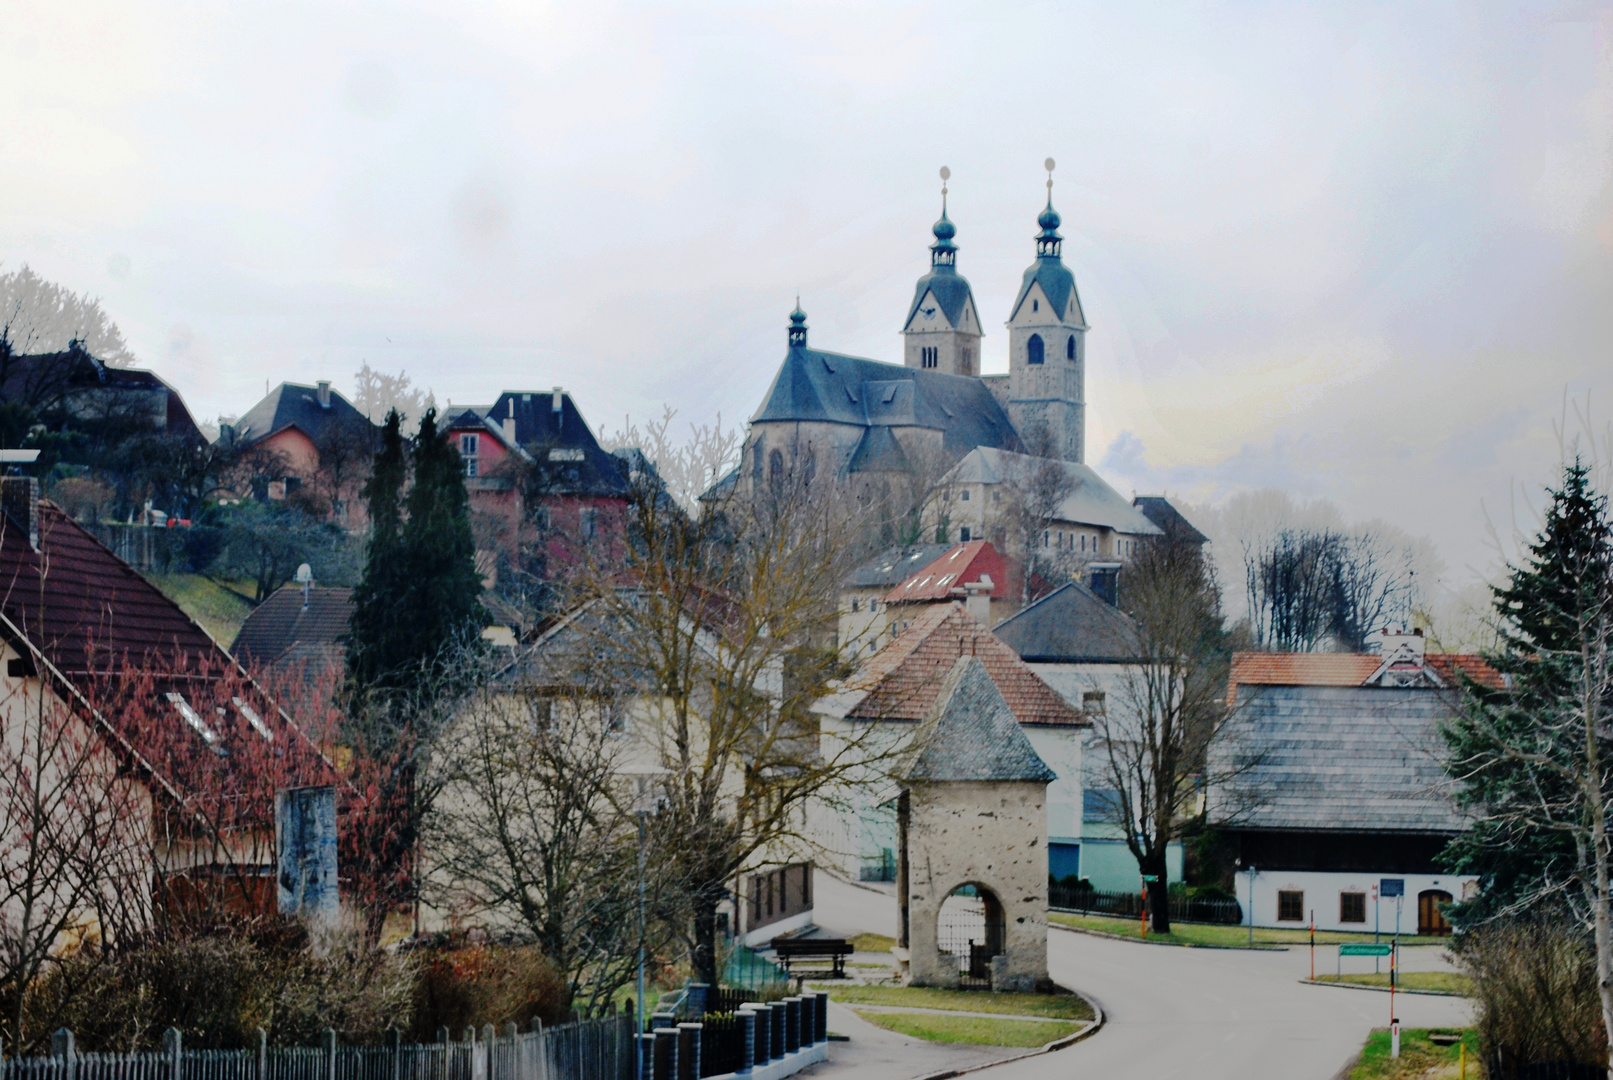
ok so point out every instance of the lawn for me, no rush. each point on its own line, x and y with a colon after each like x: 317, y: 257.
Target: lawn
x: 872, y: 943
x: 972, y: 1029
x: 1419, y: 1058
x: 1205, y: 934
x: 1053, y: 1006
x: 1450, y: 982
x: 219, y: 606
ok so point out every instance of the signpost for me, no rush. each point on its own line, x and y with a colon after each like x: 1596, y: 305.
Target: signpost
x: 1362, y: 949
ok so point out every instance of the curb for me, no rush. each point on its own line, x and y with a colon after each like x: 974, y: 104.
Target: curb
x: 1085, y: 1033
x: 1170, y: 944
x: 1380, y: 989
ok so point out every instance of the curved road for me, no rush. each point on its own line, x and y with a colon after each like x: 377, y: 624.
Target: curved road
x: 1204, y: 1014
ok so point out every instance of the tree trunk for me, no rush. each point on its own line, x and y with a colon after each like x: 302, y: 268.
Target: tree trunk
x: 1159, y: 897
x: 1601, y: 915
x: 704, y: 956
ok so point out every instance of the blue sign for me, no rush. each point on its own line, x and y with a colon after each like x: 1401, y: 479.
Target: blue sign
x: 1392, y: 886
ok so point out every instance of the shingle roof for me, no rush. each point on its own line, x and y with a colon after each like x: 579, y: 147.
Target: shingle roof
x: 828, y: 387
x: 948, y: 571
x: 293, y: 405
x: 892, y: 566
x: 902, y: 680
x: 281, y: 629
x: 1057, y: 283
x: 1335, y: 757
x: 1092, y: 502
x: 1338, y: 669
x: 1070, y: 625
x: 970, y: 734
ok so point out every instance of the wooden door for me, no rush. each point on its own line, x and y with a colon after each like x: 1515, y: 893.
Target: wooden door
x: 1430, y: 920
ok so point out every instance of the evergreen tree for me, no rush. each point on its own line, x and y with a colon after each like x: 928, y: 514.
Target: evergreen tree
x: 1518, y: 749
x: 370, y: 651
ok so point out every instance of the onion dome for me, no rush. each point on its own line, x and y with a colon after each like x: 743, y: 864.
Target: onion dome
x: 798, y: 327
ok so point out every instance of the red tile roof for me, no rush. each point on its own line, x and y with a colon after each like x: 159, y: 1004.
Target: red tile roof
x: 106, y: 632
x: 901, y: 681
x: 1338, y: 669
x: 945, y: 577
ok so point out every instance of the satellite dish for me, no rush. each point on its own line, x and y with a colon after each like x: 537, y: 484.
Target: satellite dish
x: 305, y: 574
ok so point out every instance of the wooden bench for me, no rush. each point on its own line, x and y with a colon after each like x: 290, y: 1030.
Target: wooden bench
x: 834, y: 950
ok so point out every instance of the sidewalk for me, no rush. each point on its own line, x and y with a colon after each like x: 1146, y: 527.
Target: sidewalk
x: 876, y: 1054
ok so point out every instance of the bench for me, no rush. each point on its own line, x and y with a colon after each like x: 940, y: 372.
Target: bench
x: 834, y: 950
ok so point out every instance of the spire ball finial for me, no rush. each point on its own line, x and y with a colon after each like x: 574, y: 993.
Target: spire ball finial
x: 1048, y: 164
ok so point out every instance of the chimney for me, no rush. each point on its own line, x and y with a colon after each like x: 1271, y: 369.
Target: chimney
x: 978, y: 601
x: 324, y: 393
x: 559, y: 403
x: 1106, y: 581
x: 19, y: 499
x: 509, y: 429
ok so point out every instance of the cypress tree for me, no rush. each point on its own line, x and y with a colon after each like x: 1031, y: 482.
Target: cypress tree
x: 1541, y: 613
x: 370, y: 651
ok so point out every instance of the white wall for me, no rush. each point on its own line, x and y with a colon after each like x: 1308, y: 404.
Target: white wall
x: 1322, y: 891
x: 1060, y: 748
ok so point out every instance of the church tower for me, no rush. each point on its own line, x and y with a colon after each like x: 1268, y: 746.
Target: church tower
x: 1047, y: 350
x: 943, y: 328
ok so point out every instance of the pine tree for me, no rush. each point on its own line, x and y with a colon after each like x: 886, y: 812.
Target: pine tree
x: 369, y: 648
x: 1517, y: 749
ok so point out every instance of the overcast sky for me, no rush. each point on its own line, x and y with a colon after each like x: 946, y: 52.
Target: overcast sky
x: 1360, y: 252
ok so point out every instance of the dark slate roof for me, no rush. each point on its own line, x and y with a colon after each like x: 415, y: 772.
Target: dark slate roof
x: 281, y: 629
x: 828, y: 387
x: 1056, y: 281
x: 893, y: 566
x: 970, y: 734
x: 877, y: 451
x: 1335, y: 757
x: 292, y: 405
x: 48, y: 380
x: 552, y: 439
x: 1070, y: 625
x: 1157, y: 508
x: 951, y: 292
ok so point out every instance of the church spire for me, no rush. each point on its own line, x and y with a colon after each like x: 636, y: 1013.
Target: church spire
x: 944, y: 253
x: 798, y: 327
x: 1048, y: 242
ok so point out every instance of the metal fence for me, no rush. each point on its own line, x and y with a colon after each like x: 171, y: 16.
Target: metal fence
x: 598, y: 1049
x: 1130, y: 905
x: 749, y: 970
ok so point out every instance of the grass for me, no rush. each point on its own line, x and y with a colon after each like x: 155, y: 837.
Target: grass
x: 1419, y: 1058
x: 1205, y: 934
x: 872, y: 943
x: 971, y: 1029
x: 1052, y: 1006
x: 219, y: 606
x: 1451, y: 982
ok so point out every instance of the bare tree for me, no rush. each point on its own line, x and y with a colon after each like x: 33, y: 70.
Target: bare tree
x: 1034, y: 490
x: 376, y: 393
x: 39, y: 316
x: 1165, y: 709
x: 1308, y: 589
x: 687, y: 467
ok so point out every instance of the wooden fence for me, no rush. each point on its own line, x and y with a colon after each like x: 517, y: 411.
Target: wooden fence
x: 598, y: 1049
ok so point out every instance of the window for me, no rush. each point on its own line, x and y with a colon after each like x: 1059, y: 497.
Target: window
x: 1033, y: 349
x: 1353, y: 907
x: 470, y: 466
x: 467, y: 445
x: 963, y: 534
x: 1290, y: 905
x: 1083, y: 541
x: 854, y: 603
x: 775, y: 467
x: 1036, y: 305
x: 1046, y: 536
x: 586, y: 524
x: 1092, y: 701
x: 996, y: 496
x: 1069, y: 348
x: 930, y: 356
x: 965, y: 495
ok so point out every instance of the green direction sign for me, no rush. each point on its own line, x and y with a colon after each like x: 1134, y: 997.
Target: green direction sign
x: 1150, y: 877
x: 1365, y: 950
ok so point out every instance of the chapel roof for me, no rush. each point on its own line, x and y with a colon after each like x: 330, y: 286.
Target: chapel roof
x: 971, y: 734
x: 902, y: 680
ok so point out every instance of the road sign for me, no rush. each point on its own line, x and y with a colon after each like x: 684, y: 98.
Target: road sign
x: 1150, y: 877
x: 1365, y: 950
x: 1391, y: 886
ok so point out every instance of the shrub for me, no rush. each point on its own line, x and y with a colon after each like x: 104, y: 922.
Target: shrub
x: 483, y: 984
x: 1535, y: 980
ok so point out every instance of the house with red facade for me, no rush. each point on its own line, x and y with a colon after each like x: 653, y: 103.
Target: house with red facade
x: 315, y: 446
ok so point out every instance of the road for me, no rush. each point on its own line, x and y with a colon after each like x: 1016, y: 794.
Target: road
x: 1205, y: 1014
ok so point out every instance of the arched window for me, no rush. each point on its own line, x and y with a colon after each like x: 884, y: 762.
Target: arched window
x: 1069, y: 348
x: 1033, y: 349
x: 775, y: 467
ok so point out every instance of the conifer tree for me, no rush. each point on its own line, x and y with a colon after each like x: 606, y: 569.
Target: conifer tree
x: 367, y: 640
x: 1519, y: 750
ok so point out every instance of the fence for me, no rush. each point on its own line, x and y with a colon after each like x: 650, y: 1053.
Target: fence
x: 1130, y: 905
x: 749, y: 970
x: 756, y: 1034
x: 599, y: 1049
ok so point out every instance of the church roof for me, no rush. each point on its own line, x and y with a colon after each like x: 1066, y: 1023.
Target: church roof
x: 1091, y: 502
x: 970, y: 734
x: 951, y: 292
x: 877, y: 451
x: 1057, y: 283
x: 813, y: 385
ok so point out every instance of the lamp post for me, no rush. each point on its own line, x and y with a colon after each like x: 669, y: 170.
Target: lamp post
x: 638, y: 1032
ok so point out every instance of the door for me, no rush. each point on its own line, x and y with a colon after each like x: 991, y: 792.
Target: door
x: 1430, y: 920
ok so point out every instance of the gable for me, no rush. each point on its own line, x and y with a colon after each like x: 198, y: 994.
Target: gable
x: 1034, y: 308
x: 928, y: 315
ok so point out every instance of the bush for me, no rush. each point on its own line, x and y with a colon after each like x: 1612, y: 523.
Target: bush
x: 1535, y: 981
x: 482, y: 984
x: 1210, y: 892
x: 218, y: 987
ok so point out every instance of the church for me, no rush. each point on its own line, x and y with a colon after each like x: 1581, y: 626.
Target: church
x: 936, y: 417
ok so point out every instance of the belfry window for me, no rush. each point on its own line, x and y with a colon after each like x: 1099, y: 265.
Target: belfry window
x: 1033, y: 350
x: 1069, y: 348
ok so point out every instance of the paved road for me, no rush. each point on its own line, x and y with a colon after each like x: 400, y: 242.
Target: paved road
x: 1204, y: 1014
